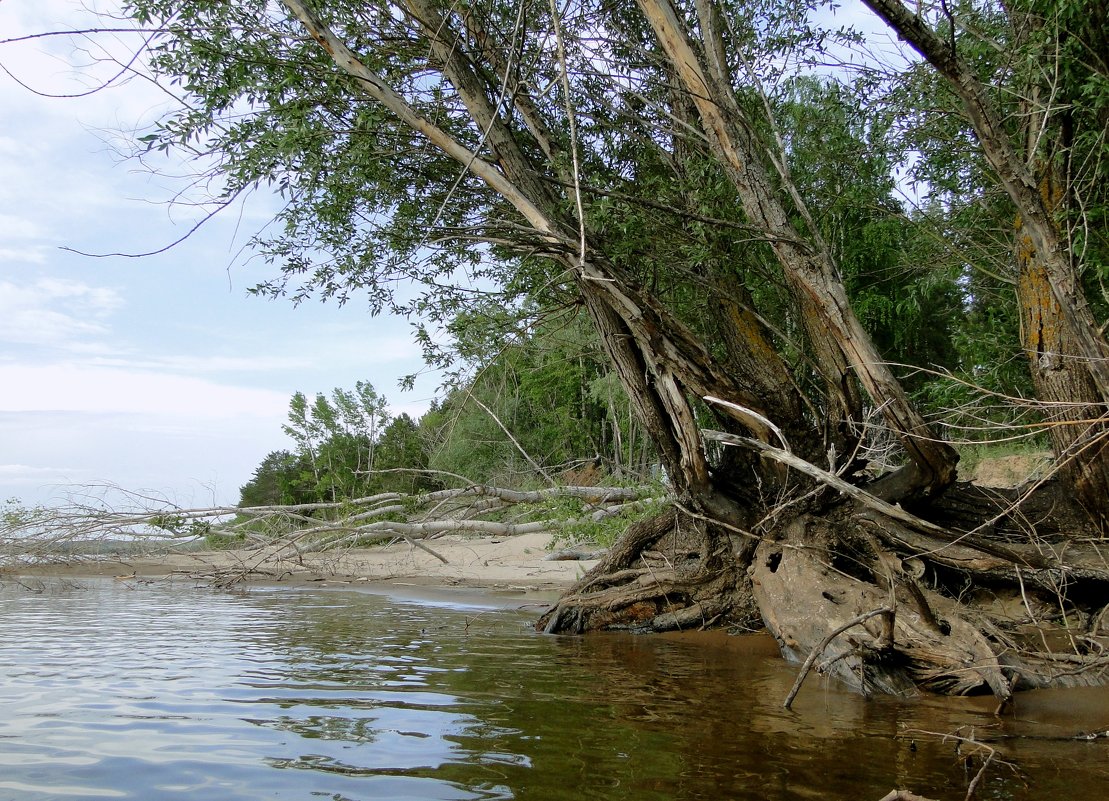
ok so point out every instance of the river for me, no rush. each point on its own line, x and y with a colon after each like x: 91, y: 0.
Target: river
x: 160, y: 691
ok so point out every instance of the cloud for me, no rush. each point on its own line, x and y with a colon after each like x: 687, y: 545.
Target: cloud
x: 33, y: 254
x: 207, y: 364
x: 16, y: 227
x: 100, y: 390
x: 57, y: 149
x: 15, y: 475
x: 380, y: 343
x: 139, y: 429
x: 56, y: 312
x: 312, y: 350
x: 12, y: 147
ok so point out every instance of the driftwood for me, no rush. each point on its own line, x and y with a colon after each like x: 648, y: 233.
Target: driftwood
x: 574, y: 555
x: 103, y: 520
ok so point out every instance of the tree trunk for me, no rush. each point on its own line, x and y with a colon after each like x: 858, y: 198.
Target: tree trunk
x: 1068, y: 352
x: 1069, y: 400
x: 844, y: 352
x: 1064, y: 384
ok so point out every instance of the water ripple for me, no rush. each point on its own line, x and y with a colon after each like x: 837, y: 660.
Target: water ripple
x: 170, y: 692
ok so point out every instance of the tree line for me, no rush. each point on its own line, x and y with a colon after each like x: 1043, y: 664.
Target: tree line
x: 539, y: 409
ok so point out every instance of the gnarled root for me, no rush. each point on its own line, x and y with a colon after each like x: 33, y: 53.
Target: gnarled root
x: 872, y: 601
x: 669, y: 572
x: 803, y: 596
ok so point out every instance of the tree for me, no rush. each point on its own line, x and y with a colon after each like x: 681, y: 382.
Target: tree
x: 402, y: 448
x: 561, y: 155
x: 335, y: 441
x: 1036, y: 156
x: 277, y: 480
x: 306, y: 432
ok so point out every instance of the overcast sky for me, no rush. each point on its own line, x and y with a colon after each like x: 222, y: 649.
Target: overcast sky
x: 158, y: 374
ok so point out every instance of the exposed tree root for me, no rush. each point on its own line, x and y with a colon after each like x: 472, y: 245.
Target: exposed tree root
x: 903, y: 795
x: 803, y: 595
x: 877, y: 602
x: 669, y: 572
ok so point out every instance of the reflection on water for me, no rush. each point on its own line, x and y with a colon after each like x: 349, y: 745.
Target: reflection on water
x: 165, y: 691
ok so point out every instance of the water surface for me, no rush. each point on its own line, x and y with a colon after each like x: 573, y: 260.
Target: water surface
x: 168, y: 691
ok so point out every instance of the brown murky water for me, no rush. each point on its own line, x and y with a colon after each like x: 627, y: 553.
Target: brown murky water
x: 161, y: 691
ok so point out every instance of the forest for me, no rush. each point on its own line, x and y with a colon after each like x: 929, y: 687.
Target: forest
x: 787, y: 259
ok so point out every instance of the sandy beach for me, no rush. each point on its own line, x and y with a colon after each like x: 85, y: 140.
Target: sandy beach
x: 515, y: 564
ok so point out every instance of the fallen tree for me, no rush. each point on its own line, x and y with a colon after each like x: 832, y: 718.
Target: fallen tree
x: 99, y: 522
x: 630, y: 163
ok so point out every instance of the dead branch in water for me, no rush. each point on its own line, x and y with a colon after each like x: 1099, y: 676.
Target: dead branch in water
x: 99, y: 521
x: 823, y: 644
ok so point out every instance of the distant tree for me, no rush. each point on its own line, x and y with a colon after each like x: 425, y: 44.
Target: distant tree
x: 350, y: 423
x: 305, y: 431
x: 281, y: 478
x: 402, y: 447
x: 334, y: 449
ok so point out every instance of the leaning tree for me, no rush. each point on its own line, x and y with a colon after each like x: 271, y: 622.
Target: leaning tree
x: 628, y: 160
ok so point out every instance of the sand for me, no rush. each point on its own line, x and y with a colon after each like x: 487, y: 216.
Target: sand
x: 516, y: 564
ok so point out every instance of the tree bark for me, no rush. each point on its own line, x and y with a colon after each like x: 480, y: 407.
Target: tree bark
x: 1040, y: 234
x: 1069, y: 401
x: 843, y: 349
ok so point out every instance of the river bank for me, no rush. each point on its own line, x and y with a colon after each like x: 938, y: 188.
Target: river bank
x: 482, y: 563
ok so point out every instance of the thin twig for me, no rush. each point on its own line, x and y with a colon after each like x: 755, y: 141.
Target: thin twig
x: 819, y: 649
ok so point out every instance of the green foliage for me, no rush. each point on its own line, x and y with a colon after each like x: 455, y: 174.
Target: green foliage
x: 268, y: 109
x: 222, y: 541
x: 335, y: 440
x: 180, y: 526
x: 281, y: 478
x: 403, y: 448
x: 1045, y: 63
x: 582, y: 528
x: 16, y: 517
x: 551, y: 388
x: 344, y: 447
x: 910, y: 303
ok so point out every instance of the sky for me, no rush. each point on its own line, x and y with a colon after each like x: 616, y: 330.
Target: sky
x: 160, y: 374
